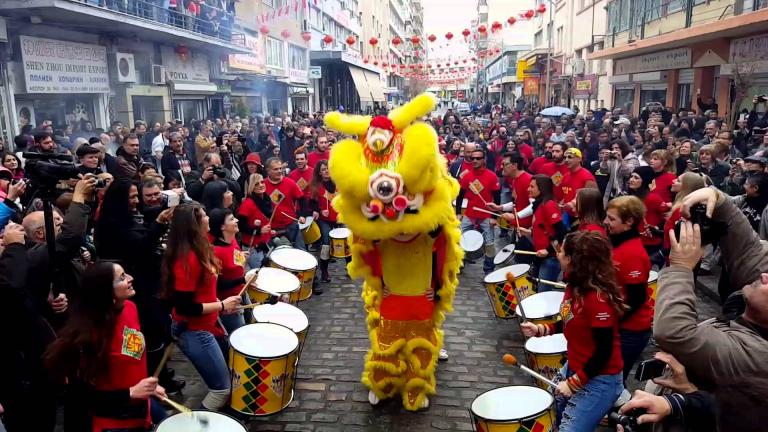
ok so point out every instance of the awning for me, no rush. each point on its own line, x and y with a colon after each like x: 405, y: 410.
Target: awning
x: 361, y: 84
x: 193, y: 87
x: 374, y: 84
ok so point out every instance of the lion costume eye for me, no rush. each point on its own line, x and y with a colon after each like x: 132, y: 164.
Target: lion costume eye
x: 385, y: 185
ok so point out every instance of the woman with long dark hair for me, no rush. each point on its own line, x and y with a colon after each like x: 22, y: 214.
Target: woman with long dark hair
x: 322, y: 192
x: 589, y: 208
x: 12, y: 162
x: 590, y: 313
x: 190, y: 271
x: 216, y: 194
x: 223, y: 229
x: 102, y: 347
x: 547, y: 230
x: 254, y: 216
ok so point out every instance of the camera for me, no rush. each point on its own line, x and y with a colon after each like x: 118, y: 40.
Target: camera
x: 220, y: 171
x: 710, y: 230
x: 613, y: 155
x: 47, y: 169
x: 759, y: 99
x: 629, y: 421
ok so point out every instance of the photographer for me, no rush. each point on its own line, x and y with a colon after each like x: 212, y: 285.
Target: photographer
x: 212, y: 169
x: 715, y: 349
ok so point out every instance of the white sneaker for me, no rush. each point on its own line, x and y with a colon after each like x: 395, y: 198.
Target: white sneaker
x: 443, y: 355
x: 372, y: 398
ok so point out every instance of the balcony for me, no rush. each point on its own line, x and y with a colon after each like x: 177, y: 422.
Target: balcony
x: 135, y: 19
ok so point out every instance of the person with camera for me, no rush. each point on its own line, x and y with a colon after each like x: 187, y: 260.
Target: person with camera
x: 212, y: 169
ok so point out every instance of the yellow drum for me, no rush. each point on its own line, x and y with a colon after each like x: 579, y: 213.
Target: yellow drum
x: 503, y: 223
x: 340, y: 242
x: 194, y: 421
x: 513, y: 409
x: 653, y: 278
x: 262, y: 361
x: 501, y: 294
x: 273, y: 281
x: 301, y: 263
x: 310, y: 230
x: 542, y: 308
x: 285, y: 315
x: 547, y: 355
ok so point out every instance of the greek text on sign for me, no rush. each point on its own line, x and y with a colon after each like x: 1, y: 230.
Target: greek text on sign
x: 584, y: 85
x: 52, y: 66
x: 672, y: 59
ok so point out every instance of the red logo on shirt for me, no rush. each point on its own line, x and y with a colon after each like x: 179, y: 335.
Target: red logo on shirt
x: 476, y: 187
x: 133, y: 343
x: 276, y: 196
x: 302, y: 183
x: 565, y: 311
x: 557, y: 178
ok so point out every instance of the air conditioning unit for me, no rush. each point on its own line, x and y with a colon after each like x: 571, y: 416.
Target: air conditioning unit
x: 578, y: 66
x: 158, y: 74
x: 125, y: 67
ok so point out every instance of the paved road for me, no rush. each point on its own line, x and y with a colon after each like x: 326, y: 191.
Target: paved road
x: 329, y: 396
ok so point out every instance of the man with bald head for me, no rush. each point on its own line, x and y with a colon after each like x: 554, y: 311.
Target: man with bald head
x: 463, y: 164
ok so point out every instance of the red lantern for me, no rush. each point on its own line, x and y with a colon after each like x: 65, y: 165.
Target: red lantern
x: 432, y: 38
x: 264, y: 29
x: 466, y: 32
x: 529, y: 13
x: 375, y: 62
x: 373, y: 41
x: 412, y: 66
x: 511, y: 20
x: 542, y: 8
x: 464, y: 61
x: 396, y: 41
x: 439, y: 65
x: 327, y: 39
x: 449, y: 35
x: 415, y: 39
x: 384, y: 64
x: 366, y: 60
x: 285, y: 34
x: 498, y: 50
x: 482, y: 29
x: 307, y: 36
x: 402, y: 66
x: 429, y: 66
x: 456, y: 62
x: 351, y: 40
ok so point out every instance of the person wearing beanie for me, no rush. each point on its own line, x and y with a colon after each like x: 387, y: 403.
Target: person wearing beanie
x: 652, y: 227
x: 88, y: 158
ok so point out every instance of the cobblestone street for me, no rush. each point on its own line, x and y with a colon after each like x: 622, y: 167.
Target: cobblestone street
x: 328, y: 392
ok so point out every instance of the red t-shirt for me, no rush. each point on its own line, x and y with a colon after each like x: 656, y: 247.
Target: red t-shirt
x: 466, y: 166
x: 127, y: 366
x: 537, y: 164
x: 579, y: 318
x: 592, y: 227
x: 284, y: 196
x: 526, y: 151
x: 632, y: 267
x: 573, y: 181
x: 232, y: 265
x: 662, y: 184
x: 557, y: 174
x: 670, y: 225
x: 186, y: 272
x: 545, y: 217
x: 479, y: 186
x: 302, y: 179
x: 519, y: 188
x: 324, y: 200
x: 251, y: 212
x: 317, y: 156
x: 655, y: 210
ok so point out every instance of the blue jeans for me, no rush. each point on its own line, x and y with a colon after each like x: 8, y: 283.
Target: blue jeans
x: 632, y: 345
x: 325, y: 230
x: 156, y: 411
x: 255, y: 258
x: 235, y: 320
x: 485, y: 228
x: 206, y: 353
x: 549, y: 269
x: 293, y: 233
x: 583, y: 411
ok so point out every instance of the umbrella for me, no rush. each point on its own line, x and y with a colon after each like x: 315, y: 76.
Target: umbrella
x: 556, y: 111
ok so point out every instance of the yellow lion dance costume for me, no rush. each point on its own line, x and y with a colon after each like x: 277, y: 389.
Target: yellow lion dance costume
x: 394, y: 193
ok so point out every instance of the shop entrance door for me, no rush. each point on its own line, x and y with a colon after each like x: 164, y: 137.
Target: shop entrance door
x: 149, y: 108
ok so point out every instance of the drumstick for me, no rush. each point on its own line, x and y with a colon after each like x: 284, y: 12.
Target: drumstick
x: 164, y: 360
x: 474, y: 190
x: 548, y: 282
x: 524, y: 252
x: 248, y: 282
x: 177, y: 406
x: 289, y: 216
x: 478, y: 209
x: 248, y: 306
x: 511, y: 282
x: 512, y: 361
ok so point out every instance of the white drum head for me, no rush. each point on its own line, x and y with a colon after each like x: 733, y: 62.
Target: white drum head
x: 511, y: 403
x: 552, y: 344
x: 282, y: 313
x: 471, y: 240
x: 294, y: 259
x: 264, y: 340
x: 653, y: 276
x: 542, y: 304
x: 500, y: 275
x: 307, y: 222
x: 340, y: 233
x: 196, y: 422
x: 276, y: 281
x: 504, y: 254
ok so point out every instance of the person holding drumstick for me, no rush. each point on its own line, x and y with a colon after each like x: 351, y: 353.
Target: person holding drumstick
x: 253, y: 216
x: 190, y: 272
x: 590, y: 314
x: 322, y: 190
x: 519, y: 181
x: 547, y: 230
x: 231, y: 280
x: 624, y: 216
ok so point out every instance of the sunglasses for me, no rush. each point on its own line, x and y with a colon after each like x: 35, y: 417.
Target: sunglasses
x: 569, y: 156
x: 478, y: 158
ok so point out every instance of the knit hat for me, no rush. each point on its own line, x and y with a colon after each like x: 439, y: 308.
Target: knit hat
x: 646, y: 173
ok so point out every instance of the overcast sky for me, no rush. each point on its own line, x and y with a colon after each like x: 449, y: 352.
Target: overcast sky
x: 443, y: 16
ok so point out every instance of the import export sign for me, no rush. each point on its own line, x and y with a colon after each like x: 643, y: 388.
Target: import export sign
x: 53, y: 66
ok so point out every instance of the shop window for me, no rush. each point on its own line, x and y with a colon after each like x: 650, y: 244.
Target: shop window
x: 684, y: 95
x: 297, y: 58
x: 275, y: 55
x: 624, y: 98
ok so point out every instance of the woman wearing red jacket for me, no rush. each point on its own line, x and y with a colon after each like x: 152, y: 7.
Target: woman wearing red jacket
x: 190, y: 270
x: 223, y: 229
x: 254, y: 216
x: 590, y: 321
x: 322, y: 192
x: 663, y: 165
x: 652, y: 224
x: 102, y: 346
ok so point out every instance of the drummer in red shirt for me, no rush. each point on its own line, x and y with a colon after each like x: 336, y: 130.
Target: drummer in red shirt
x: 481, y: 187
x: 557, y: 169
x: 321, y: 151
x: 575, y: 179
x: 287, y: 200
x: 223, y: 229
x: 518, y: 180
x: 590, y: 312
x: 623, y: 218
x: 302, y: 175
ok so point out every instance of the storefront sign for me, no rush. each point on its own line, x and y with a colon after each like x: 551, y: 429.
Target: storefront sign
x: 298, y: 76
x: 673, y: 59
x: 494, y: 88
x: 254, y: 62
x: 585, y: 87
x: 189, y: 67
x: 753, y: 48
x: 53, y: 66
x: 315, y: 72
x: 531, y: 86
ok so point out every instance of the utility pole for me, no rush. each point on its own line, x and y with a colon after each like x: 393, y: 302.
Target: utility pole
x: 550, y: 28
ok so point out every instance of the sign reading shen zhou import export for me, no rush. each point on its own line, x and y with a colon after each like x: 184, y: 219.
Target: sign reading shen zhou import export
x: 53, y: 66
x: 659, y: 61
